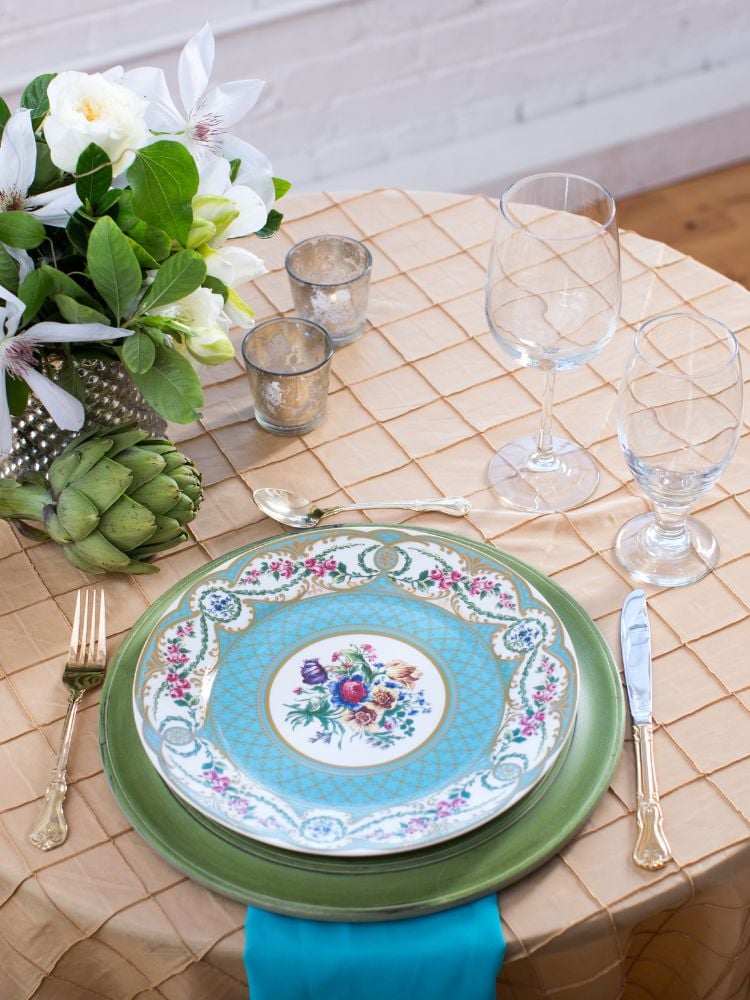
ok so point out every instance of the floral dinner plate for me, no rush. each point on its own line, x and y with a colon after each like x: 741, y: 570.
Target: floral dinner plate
x: 356, y: 691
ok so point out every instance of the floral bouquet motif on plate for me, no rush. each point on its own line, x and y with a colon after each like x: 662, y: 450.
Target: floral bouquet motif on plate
x: 357, y: 696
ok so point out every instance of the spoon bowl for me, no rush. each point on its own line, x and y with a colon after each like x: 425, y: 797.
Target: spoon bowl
x: 288, y: 508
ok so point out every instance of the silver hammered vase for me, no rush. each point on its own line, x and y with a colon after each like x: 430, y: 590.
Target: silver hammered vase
x: 111, y: 398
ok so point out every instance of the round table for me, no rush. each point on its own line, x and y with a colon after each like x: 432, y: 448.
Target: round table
x: 417, y: 407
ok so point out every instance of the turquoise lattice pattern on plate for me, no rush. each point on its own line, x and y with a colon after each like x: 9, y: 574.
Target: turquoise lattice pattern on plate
x: 356, y: 691
x: 461, y: 742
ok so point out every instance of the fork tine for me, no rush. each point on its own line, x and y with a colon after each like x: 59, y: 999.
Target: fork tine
x: 84, y: 631
x: 76, y: 629
x: 101, y: 646
x: 92, y: 640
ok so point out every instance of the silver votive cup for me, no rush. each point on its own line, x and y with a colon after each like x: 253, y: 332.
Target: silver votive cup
x: 288, y: 362
x: 330, y: 280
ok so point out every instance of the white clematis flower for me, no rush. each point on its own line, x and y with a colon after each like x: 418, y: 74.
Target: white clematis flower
x: 94, y: 107
x: 203, y: 324
x: 17, y: 169
x: 18, y: 357
x: 203, y: 123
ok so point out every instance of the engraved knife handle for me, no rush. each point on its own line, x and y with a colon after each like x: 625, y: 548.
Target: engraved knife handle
x: 651, y: 849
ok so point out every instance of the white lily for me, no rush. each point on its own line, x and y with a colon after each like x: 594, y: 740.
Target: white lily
x: 17, y: 169
x: 18, y: 357
x: 203, y: 123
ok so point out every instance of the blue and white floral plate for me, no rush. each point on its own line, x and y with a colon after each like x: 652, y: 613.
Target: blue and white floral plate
x: 356, y: 690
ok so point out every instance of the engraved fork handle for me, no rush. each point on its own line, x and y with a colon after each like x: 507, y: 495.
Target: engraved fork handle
x: 455, y: 506
x: 651, y: 849
x: 50, y: 828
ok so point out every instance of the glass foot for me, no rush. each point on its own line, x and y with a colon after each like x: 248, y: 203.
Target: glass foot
x: 522, y: 480
x: 643, y: 553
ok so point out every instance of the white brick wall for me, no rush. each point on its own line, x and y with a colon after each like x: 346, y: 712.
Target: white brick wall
x: 459, y: 94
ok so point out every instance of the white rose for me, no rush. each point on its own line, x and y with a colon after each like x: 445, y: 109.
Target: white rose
x: 202, y: 314
x: 92, y: 107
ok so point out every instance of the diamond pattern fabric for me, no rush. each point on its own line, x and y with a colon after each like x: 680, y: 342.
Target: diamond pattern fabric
x: 417, y: 407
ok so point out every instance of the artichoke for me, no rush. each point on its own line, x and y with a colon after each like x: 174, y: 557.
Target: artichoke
x: 113, y: 498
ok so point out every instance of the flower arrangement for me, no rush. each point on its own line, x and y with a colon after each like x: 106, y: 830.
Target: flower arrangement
x: 359, y: 696
x: 117, y: 213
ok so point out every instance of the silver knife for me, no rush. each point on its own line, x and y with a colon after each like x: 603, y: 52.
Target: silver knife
x: 651, y: 848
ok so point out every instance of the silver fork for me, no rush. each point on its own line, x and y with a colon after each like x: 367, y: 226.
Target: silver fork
x: 87, y: 659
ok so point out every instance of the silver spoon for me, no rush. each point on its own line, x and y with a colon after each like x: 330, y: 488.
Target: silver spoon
x: 298, y: 512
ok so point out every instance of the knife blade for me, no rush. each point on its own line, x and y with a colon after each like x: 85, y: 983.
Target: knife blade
x: 651, y: 849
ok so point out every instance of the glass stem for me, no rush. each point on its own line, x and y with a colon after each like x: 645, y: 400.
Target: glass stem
x: 669, y: 530
x: 544, y: 458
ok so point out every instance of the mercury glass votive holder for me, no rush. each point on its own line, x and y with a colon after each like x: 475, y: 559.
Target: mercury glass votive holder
x: 288, y: 362
x: 330, y: 280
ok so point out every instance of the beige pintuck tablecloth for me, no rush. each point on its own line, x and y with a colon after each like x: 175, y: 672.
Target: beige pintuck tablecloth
x: 417, y: 407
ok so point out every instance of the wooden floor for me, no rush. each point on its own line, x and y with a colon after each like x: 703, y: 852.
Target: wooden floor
x: 707, y: 217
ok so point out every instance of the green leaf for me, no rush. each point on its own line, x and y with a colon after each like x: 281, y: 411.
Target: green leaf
x: 280, y: 187
x: 177, y: 277
x: 164, y: 179
x: 171, y: 386
x: 155, y: 334
x: 93, y: 175
x: 8, y: 271
x: 272, y: 224
x: 33, y: 291
x: 216, y: 285
x: 113, y: 267
x: 126, y: 217
x: 143, y: 257
x: 19, y: 229
x: 76, y: 312
x: 138, y: 352
x: 78, y: 232
x: 108, y: 201
x: 35, y: 98
x: 234, y: 169
x: 46, y: 176
x: 18, y: 395
x: 60, y: 283
x: 4, y: 114
x: 154, y: 241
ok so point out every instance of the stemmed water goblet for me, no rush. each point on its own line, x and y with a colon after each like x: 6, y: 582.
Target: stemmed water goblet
x: 552, y: 301
x: 679, y: 421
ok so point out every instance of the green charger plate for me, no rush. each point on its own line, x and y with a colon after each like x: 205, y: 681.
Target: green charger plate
x: 360, y: 889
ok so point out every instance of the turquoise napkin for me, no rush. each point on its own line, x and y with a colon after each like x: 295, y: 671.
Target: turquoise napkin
x: 452, y: 955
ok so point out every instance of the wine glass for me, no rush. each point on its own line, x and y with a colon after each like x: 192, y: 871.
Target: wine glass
x: 552, y: 302
x: 679, y: 421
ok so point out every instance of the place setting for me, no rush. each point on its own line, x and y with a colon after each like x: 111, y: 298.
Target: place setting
x: 344, y: 718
